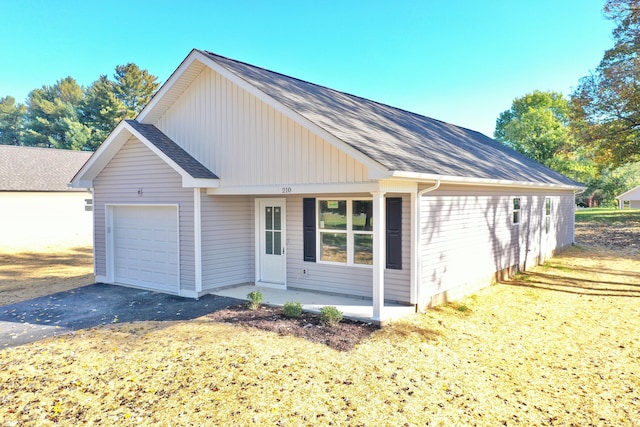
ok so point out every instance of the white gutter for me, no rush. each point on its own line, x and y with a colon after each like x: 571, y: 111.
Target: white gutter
x: 478, y: 181
x: 417, y: 258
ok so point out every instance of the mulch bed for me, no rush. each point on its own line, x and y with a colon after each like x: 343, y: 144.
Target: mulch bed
x: 343, y: 336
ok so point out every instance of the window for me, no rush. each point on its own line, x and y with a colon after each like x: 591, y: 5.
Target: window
x: 516, y: 210
x: 361, y: 231
x: 345, y: 231
x: 547, y: 215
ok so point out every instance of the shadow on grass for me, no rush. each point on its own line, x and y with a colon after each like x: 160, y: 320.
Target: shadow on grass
x: 574, y: 285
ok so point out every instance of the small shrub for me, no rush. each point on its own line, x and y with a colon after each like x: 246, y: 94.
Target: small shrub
x: 462, y: 308
x: 330, y: 315
x: 292, y: 309
x: 255, y: 299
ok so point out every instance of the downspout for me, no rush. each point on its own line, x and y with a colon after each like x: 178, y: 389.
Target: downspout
x: 417, y: 258
x: 573, y: 230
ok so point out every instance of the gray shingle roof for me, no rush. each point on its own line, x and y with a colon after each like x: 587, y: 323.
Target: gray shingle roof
x: 39, y: 169
x: 172, y: 150
x: 399, y: 140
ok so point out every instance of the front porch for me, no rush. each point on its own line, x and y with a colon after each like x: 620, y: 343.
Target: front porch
x: 351, y: 307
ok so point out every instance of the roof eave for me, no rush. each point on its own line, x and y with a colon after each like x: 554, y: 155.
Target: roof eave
x: 460, y: 180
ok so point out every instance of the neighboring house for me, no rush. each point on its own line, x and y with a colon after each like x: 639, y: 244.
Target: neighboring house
x: 37, y: 207
x: 234, y: 174
x: 631, y: 198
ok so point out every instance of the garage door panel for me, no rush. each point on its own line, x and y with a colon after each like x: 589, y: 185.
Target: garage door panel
x: 146, y: 247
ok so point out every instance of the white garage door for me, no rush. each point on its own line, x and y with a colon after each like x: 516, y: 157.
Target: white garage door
x: 145, y: 247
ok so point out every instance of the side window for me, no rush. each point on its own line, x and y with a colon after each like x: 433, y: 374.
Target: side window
x: 516, y: 210
x: 547, y: 215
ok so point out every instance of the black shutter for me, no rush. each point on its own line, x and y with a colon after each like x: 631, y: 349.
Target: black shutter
x: 394, y: 233
x: 309, y: 229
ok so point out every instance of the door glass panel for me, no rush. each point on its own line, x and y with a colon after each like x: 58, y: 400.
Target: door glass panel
x: 277, y: 243
x: 269, y: 242
x: 277, y: 218
x: 268, y: 221
x: 268, y: 226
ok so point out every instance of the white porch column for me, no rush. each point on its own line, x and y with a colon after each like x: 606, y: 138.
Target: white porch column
x: 197, y: 238
x: 379, y: 253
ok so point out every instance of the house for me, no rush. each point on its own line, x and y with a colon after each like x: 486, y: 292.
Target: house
x: 234, y: 174
x: 630, y: 198
x: 37, y: 208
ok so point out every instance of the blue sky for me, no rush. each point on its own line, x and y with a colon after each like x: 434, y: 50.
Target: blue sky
x: 460, y: 61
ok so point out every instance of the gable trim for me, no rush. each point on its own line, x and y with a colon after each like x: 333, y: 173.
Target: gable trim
x: 116, y: 140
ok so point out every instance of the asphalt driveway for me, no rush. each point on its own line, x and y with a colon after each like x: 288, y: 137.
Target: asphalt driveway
x: 95, y: 305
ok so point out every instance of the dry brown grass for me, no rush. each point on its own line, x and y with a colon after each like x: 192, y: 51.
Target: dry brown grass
x: 557, y: 346
x: 28, y: 274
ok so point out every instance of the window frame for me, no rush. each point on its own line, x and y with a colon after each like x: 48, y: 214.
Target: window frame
x: 348, y: 231
x: 548, y: 209
x: 516, y: 212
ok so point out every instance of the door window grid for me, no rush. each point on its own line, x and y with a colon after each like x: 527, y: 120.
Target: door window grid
x: 273, y: 230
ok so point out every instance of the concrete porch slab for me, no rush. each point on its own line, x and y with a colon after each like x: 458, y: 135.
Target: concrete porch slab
x: 351, y: 307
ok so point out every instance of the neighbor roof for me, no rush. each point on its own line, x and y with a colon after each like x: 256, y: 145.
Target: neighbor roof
x: 39, y: 169
x: 399, y: 140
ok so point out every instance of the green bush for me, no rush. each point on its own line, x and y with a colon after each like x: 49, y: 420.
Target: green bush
x: 292, y: 309
x: 255, y: 299
x: 330, y: 315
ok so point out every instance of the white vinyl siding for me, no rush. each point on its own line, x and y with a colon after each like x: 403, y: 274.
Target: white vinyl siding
x: 468, y: 234
x: 342, y: 279
x: 227, y: 241
x: 135, y: 168
x: 246, y: 142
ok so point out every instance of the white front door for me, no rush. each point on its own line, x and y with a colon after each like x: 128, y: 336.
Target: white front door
x: 270, y: 243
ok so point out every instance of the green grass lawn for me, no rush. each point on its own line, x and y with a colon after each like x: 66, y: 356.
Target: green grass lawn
x: 607, y: 215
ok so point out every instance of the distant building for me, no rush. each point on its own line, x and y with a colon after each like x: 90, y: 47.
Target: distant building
x: 630, y: 199
x: 37, y: 207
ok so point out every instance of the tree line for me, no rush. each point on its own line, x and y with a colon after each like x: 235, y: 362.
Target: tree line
x: 69, y: 116
x: 593, y: 135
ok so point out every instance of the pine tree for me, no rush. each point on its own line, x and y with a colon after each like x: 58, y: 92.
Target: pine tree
x: 11, y: 121
x: 134, y: 87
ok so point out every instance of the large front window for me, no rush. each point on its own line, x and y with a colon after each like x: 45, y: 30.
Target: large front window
x: 345, y: 228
